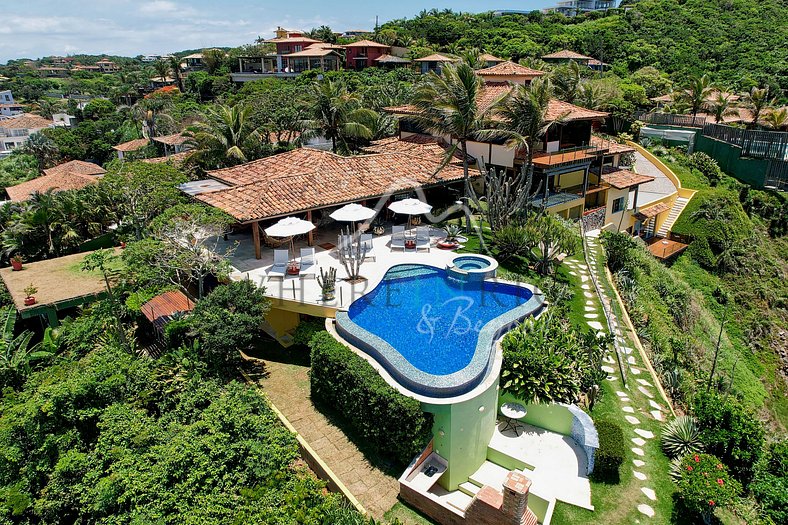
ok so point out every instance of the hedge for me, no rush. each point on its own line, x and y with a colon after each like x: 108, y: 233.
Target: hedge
x: 610, y: 454
x: 388, y: 422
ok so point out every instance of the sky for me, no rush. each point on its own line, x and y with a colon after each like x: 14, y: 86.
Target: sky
x: 37, y: 28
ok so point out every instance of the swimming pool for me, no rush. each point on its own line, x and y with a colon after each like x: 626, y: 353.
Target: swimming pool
x: 434, y: 333
x: 470, y: 262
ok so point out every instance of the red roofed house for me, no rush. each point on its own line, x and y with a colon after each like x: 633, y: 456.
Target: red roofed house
x: 365, y: 53
x: 166, y: 307
x: 564, y: 56
x: 73, y: 175
x: 433, y: 62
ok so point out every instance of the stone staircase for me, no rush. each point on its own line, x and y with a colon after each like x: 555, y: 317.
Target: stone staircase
x: 675, y: 211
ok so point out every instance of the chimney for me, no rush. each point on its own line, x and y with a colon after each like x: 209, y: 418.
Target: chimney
x: 515, y: 498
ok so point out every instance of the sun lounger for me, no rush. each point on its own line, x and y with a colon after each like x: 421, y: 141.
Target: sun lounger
x: 423, y: 237
x: 367, y: 247
x: 281, y: 260
x: 398, y: 237
x: 308, y: 264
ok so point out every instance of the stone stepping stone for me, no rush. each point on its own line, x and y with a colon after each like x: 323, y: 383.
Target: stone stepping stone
x: 632, y: 420
x: 644, y: 382
x: 588, y: 295
x: 619, y: 393
x: 644, y: 433
x: 627, y: 350
x: 631, y: 360
x: 645, y: 391
x: 585, y: 286
x: 639, y: 441
x: 583, y: 277
x: 634, y: 371
x: 650, y: 494
x: 625, y: 399
x: 608, y: 359
x: 639, y: 475
x: 656, y: 405
x: 591, y: 316
x: 611, y: 378
x: 596, y: 325
x: 573, y: 273
x: 645, y: 509
x: 656, y: 414
x: 638, y: 451
x: 590, y: 308
x: 608, y: 369
x: 638, y: 462
x: 628, y: 410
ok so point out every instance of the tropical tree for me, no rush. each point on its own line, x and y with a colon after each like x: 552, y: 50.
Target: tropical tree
x: 777, y: 119
x: 720, y: 106
x: 16, y: 352
x: 212, y: 58
x: 43, y: 149
x: 226, y: 138
x: 174, y: 64
x: 162, y: 69
x: 549, y: 237
x: 338, y: 115
x: 590, y: 96
x: 448, y: 105
x: 757, y: 100
x: 566, y: 80
x: 152, y: 113
x: 697, y: 92
x: 105, y: 262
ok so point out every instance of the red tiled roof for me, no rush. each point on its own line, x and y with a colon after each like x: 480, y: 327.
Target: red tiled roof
x: 312, y: 51
x: 162, y: 308
x: 487, y: 57
x: 132, y: 145
x: 612, y: 146
x: 26, y: 121
x: 509, y: 68
x: 77, y: 167
x: 292, y: 39
x: 565, y: 53
x: 391, y: 59
x: 366, y: 43
x: 175, y: 139
x: 56, y: 182
x: 436, y: 57
x: 306, y: 178
x: 621, y: 179
x: 175, y: 158
x: 652, y: 211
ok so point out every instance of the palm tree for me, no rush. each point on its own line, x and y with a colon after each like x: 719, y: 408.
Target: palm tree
x: 16, y: 352
x: 777, y: 119
x: 757, y: 100
x: 152, y: 112
x: 720, y: 106
x: 227, y: 138
x: 698, y: 90
x: 174, y: 64
x: 566, y: 81
x: 448, y: 105
x: 473, y: 58
x: 338, y: 114
x: 590, y: 96
x: 162, y: 68
x: 43, y: 149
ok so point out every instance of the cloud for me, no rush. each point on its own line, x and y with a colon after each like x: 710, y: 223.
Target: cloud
x: 159, y: 7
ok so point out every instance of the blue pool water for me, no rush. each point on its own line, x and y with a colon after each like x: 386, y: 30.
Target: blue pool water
x: 470, y: 263
x: 432, y: 319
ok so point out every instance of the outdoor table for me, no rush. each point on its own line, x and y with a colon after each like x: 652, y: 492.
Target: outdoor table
x: 512, y: 413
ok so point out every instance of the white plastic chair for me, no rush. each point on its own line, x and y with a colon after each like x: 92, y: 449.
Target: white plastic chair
x: 367, y: 246
x: 308, y: 265
x: 398, y: 237
x: 279, y: 268
x: 423, y: 237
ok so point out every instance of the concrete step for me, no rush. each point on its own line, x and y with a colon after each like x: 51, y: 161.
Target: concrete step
x: 458, y: 500
x: 469, y: 488
x: 489, y: 474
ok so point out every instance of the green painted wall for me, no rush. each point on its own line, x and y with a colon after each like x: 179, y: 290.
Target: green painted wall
x: 555, y: 418
x: 466, y: 434
x: 751, y: 171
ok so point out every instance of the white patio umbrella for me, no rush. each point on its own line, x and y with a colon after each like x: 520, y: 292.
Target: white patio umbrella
x: 410, y: 207
x: 288, y: 227
x: 353, y: 212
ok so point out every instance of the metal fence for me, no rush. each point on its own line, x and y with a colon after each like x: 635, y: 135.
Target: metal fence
x: 669, y: 119
x: 753, y: 143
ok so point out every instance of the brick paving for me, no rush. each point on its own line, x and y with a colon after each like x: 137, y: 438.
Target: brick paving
x: 287, y: 385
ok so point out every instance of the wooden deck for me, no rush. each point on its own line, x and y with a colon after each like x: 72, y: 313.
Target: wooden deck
x: 665, y: 248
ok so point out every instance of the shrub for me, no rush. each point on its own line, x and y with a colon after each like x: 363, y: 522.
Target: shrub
x: 176, y: 332
x: 611, y: 452
x: 389, y: 422
x: 306, y: 329
x: 731, y: 432
x: 701, y: 252
x: 704, y: 484
x: 706, y: 165
x: 510, y: 241
x: 681, y: 437
x: 619, y: 248
x: 770, y: 485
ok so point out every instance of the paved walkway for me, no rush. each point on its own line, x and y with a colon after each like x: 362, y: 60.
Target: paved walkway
x: 287, y: 385
x: 656, y: 189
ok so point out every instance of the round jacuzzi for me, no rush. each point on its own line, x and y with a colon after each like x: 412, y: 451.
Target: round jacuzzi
x: 473, y: 266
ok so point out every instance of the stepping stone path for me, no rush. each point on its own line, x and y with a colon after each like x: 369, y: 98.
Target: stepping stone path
x: 591, y: 316
x: 628, y: 410
x: 590, y: 308
x: 638, y: 462
x: 650, y: 494
x: 639, y: 441
x: 596, y: 325
x: 632, y: 420
x: 608, y: 369
x: 647, y: 434
x: 639, y: 475
x: 645, y: 509
x: 638, y: 451
x: 645, y: 392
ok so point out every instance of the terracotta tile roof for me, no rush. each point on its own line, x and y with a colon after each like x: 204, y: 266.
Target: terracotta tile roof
x: 57, y: 182
x: 366, y: 43
x: 132, y: 145
x: 312, y: 51
x: 652, y: 211
x: 558, y: 108
x: 175, y: 139
x: 391, y: 59
x: 306, y: 178
x: 566, y: 54
x: 292, y: 39
x: 509, y: 68
x: 487, y: 57
x: 193, y: 55
x: 175, y: 158
x: 412, y: 145
x: 621, y: 179
x: 26, y: 121
x: 162, y: 308
x: 77, y: 167
x: 612, y: 146
x: 436, y: 57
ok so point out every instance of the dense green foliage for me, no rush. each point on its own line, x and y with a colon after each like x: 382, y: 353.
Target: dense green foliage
x: 388, y: 422
x: 770, y: 485
x: 611, y: 452
x: 705, y: 484
x: 680, y: 437
x: 548, y: 360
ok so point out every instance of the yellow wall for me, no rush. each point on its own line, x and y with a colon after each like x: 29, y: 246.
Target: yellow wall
x: 574, y: 178
x: 282, y: 321
x: 615, y: 218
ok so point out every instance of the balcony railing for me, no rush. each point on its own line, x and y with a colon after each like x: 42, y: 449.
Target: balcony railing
x: 567, y: 157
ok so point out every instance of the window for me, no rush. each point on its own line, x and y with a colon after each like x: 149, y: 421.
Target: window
x: 618, y: 204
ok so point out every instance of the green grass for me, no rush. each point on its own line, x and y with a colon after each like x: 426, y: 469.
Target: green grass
x: 406, y: 515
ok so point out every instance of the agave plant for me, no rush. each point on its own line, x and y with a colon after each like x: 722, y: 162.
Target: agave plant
x: 681, y: 437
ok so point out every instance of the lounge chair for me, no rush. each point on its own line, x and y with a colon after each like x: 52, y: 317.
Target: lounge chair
x: 308, y: 264
x: 398, y: 237
x: 279, y: 268
x: 367, y: 246
x: 423, y: 237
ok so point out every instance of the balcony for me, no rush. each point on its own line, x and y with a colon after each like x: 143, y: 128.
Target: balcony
x: 567, y: 157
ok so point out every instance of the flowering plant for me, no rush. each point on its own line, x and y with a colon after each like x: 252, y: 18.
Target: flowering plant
x: 705, y: 484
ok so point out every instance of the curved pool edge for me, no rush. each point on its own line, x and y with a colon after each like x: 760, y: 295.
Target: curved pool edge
x: 440, y: 386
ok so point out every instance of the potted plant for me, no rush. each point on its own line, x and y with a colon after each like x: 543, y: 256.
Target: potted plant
x: 378, y: 228
x: 450, y: 242
x: 415, y: 220
x: 16, y: 262
x: 328, y: 282
x: 30, y: 292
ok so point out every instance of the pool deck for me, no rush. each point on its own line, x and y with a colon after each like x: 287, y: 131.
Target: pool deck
x: 306, y: 290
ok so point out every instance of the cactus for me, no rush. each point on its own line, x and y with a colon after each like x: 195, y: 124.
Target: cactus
x: 327, y: 280
x: 352, y: 257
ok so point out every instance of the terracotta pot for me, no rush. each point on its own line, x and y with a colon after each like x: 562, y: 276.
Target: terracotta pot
x: 122, y: 245
x: 30, y: 301
x: 292, y: 270
x: 16, y: 265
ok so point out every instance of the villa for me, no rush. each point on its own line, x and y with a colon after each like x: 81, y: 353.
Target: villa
x: 15, y: 131
x: 72, y: 175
